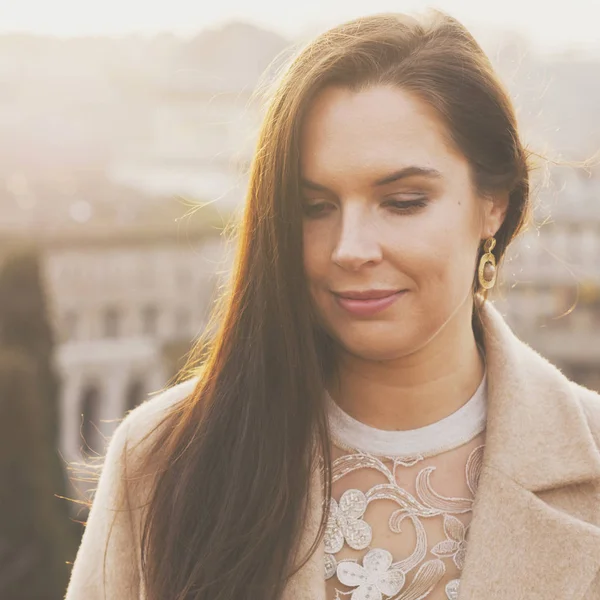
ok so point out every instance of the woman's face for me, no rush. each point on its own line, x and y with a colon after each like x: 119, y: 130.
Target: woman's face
x: 390, y: 215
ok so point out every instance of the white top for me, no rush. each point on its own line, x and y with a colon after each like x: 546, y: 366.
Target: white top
x: 452, y: 431
x: 401, y: 504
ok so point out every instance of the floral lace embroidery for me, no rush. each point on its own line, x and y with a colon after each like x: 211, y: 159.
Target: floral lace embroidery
x: 455, y: 546
x: 379, y: 577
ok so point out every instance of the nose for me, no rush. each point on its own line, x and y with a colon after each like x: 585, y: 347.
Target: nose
x: 357, y: 242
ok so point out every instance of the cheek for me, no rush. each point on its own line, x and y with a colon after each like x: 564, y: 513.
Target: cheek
x: 439, y: 257
x: 315, y: 253
x: 447, y: 270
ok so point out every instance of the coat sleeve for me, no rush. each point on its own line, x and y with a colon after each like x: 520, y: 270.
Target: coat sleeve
x: 106, y: 566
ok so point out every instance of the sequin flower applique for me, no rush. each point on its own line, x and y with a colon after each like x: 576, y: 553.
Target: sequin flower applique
x: 345, y: 523
x: 330, y: 565
x: 452, y: 589
x: 374, y: 579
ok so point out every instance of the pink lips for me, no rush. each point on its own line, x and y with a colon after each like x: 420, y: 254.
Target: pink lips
x: 369, y: 302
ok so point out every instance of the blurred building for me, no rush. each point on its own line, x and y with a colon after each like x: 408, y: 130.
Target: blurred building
x: 119, y: 303
x: 130, y: 281
x: 196, y: 141
x: 551, y: 292
x: 194, y: 128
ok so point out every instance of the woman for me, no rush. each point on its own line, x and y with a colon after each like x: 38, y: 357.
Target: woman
x: 358, y: 368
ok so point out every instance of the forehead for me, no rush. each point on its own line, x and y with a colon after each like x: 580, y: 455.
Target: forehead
x: 378, y: 128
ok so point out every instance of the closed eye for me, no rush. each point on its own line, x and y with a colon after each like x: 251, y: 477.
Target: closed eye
x: 407, y: 206
x: 317, y: 209
x: 321, y: 209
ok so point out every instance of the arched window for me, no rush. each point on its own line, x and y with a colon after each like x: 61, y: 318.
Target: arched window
x: 135, y: 394
x: 90, y: 419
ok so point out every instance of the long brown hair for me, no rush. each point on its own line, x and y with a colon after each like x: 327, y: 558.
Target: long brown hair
x: 233, y: 462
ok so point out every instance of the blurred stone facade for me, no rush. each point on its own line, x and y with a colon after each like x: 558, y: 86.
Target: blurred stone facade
x: 551, y: 279
x: 126, y: 308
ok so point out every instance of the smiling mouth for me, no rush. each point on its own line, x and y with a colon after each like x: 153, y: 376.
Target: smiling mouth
x: 366, y: 304
x: 367, y: 294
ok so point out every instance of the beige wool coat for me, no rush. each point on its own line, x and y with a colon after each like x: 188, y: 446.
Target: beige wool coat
x: 535, y: 528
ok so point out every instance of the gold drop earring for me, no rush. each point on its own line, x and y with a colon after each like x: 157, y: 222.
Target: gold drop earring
x: 487, y: 265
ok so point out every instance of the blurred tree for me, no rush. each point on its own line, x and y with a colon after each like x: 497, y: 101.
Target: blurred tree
x: 35, y: 538
x: 34, y: 523
x: 24, y: 326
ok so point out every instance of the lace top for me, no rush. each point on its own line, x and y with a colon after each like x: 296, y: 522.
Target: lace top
x: 401, y: 505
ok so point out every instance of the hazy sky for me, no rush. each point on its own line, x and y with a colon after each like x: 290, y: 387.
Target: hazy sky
x: 575, y: 23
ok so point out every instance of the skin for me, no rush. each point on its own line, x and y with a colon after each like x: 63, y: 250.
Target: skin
x: 415, y: 362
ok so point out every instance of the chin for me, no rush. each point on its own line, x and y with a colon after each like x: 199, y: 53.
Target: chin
x: 374, y: 353
x: 376, y: 345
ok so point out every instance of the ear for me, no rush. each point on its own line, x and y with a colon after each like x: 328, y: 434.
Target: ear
x: 495, y: 209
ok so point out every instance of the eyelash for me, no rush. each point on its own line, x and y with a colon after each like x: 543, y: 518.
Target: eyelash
x: 408, y: 206
x: 402, y: 207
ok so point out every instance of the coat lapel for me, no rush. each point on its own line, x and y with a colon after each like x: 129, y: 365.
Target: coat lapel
x: 537, y: 440
x: 519, y: 547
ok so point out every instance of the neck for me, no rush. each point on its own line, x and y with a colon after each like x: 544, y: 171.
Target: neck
x: 415, y: 390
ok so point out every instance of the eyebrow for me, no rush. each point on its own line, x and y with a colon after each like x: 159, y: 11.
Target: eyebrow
x: 412, y: 171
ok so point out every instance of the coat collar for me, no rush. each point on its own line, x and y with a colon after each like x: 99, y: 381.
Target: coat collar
x: 537, y: 433
x: 537, y: 440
